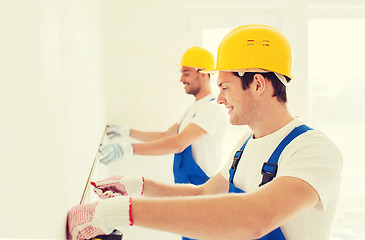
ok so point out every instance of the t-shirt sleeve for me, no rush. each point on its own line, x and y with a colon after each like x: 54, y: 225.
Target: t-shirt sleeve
x: 181, y: 119
x: 210, y: 117
x: 316, y: 160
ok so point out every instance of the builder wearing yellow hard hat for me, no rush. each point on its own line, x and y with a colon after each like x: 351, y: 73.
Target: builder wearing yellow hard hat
x: 195, y: 139
x: 282, y: 179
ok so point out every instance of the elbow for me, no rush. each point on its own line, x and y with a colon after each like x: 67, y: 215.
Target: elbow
x: 180, y: 147
x: 251, y: 233
x: 260, y: 229
x: 256, y: 233
x: 255, y: 229
x: 242, y: 232
x: 179, y: 144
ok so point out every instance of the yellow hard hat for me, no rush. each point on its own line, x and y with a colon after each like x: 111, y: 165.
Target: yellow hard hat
x: 252, y: 47
x: 198, y: 57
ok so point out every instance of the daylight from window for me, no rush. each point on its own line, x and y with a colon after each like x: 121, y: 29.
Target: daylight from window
x: 336, y: 94
x: 336, y: 106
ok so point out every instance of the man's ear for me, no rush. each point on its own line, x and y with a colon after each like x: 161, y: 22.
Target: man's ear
x: 259, y: 84
x: 204, y: 75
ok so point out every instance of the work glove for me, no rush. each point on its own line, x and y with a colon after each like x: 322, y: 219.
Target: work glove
x: 112, y: 151
x: 119, y: 185
x: 98, y: 218
x: 115, y: 131
x: 106, y: 194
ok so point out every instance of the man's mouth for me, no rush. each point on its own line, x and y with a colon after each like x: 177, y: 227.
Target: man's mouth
x: 229, y: 108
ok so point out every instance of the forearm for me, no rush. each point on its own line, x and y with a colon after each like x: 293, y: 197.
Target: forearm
x: 157, y: 189
x: 146, y: 136
x: 228, y: 216
x: 163, y: 146
x: 212, y: 216
x: 152, y: 136
x: 209, y: 217
x: 172, y: 143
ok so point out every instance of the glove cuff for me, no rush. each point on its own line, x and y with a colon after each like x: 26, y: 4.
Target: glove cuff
x: 134, y: 185
x: 126, y: 132
x: 115, y: 212
x: 128, y: 150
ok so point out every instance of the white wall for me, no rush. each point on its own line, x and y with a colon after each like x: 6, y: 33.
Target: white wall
x: 52, y: 111
x: 143, y: 40
x: 54, y: 58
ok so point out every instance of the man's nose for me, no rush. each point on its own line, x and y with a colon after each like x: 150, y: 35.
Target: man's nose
x: 220, y: 98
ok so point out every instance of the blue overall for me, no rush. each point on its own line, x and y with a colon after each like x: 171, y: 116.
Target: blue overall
x: 186, y: 170
x: 269, y: 170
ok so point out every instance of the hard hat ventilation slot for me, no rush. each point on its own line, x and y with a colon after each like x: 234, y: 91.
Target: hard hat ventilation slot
x: 250, y: 42
x: 266, y: 43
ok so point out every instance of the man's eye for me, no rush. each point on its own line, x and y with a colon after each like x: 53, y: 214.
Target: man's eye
x: 224, y: 88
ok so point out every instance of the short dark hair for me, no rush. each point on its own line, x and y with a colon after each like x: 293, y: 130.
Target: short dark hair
x: 279, y: 87
x: 201, y: 69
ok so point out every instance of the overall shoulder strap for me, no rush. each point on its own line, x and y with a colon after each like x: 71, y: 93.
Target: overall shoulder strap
x: 270, y: 168
x: 238, y: 154
x: 236, y: 159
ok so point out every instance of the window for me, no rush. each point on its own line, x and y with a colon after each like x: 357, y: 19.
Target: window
x: 210, y: 41
x: 336, y: 61
x: 336, y: 99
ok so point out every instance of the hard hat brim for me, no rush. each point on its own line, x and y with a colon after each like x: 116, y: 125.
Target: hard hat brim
x: 281, y: 77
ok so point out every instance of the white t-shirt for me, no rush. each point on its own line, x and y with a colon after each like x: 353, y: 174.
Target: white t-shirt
x: 312, y: 157
x: 212, y: 118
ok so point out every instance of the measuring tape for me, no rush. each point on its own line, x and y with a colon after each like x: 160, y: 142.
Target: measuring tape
x: 115, y: 235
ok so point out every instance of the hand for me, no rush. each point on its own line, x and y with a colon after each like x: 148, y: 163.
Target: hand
x: 105, y: 194
x: 113, y: 151
x: 99, y: 218
x: 113, y: 131
x: 119, y: 185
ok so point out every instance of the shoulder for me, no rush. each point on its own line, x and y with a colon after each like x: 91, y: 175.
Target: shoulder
x: 315, y: 147
x: 314, y: 158
x: 316, y: 140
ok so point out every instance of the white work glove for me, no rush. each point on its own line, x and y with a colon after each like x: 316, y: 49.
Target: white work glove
x: 106, y: 194
x: 113, y: 151
x: 119, y: 185
x: 115, y: 131
x: 99, y: 218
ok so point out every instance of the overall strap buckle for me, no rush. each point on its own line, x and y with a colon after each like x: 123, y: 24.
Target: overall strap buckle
x: 236, y: 159
x: 270, y: 168
x: 268, y: 172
